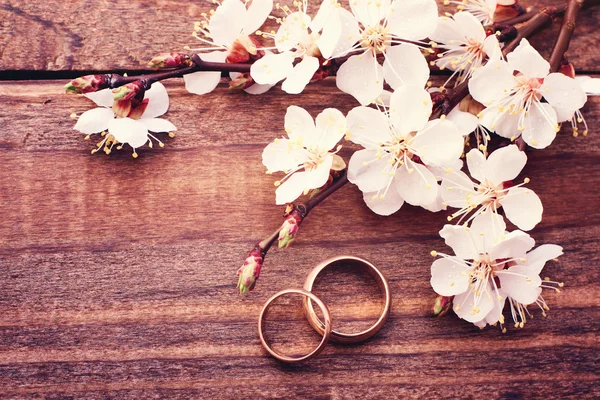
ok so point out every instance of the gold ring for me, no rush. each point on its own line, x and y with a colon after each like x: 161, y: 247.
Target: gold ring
x: 337, y: 336
x: 325, y: 332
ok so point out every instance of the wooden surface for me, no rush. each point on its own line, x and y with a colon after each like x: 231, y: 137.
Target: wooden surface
x: 117, y: 275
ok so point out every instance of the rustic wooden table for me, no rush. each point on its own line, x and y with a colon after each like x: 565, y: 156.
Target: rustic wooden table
x: 117, y: 274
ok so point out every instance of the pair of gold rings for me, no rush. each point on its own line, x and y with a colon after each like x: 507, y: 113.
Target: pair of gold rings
x: 324, y: 328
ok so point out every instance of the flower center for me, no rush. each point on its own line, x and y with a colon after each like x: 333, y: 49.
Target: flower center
x: 315, y: 158
x: 376, y: 38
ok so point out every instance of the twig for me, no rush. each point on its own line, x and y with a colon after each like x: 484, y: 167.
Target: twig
x: 563, y: 39
x: 543, y: 17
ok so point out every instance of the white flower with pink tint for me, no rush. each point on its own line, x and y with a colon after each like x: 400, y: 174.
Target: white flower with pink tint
x: 491, y: 266
x: 134, y: 129
x: 226, y: 32
x: 512, y: 92
x: 464, y: 45
x: 383, y: 28
x: 493, y: 188
x: 402, y: 150
x: 306, y: 155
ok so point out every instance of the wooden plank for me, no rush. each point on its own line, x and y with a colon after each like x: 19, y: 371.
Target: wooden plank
x: 83, y: 35
x: 118, y: 273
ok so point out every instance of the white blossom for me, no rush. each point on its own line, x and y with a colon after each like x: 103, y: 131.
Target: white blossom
x: 491, y: 266
x: 464, y: 44
x: 231, y: 23
x: 401, y: 149
x: 133, y: 131
x: 493, y: 188
x: 306, y: 154
x: 383, y: 28
x: 512, y: 92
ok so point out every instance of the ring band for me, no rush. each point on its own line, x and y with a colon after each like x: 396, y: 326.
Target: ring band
x: 337, y: 336
x: 325, y: 331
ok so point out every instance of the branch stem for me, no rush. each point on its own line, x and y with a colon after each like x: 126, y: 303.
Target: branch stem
x: 117, y: 80
x: 565, y: 34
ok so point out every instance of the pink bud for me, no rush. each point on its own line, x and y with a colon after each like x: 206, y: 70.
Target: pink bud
x: 244, y: 81
x: 250, y: 271
x: 170, y: 60
x: 289, y: 228
x: 442, y: 305
x: 87, y: 84
x: 244, y: 49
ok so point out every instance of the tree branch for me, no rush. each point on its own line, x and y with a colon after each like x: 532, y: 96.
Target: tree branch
x: 563, y: 39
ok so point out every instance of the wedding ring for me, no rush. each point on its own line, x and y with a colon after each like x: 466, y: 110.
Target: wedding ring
x: 325, y: 331
x: 321, y: 327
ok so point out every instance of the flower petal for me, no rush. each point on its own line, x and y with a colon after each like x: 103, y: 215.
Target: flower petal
x: 491, y: 82
x: 368, y: 127
x: 256, y: 15
x: 465, y: 122
x: 272, y: 68
x: 416, y: 184
x: 447, y: 32
x: 158, y: 125
x: 319, y: 176
x: 282, y: 155
x: 293, y: 30
x: 370, y: 177
x: 298, y: 123
x: 504, y: 164
x: 330, y: 128
x: 127, y: 130
x: 528, y: 61
x: 158, y: 101
x: 591, y: 86
x: 94, y: 121
x: 460, y: 239
x: 536, y: 259
x: 103, y: 98
x: 203, y: 82
x: 440, y: 143
x: 404, y: 64
x: 413, y: 19
x: 522, y: 207
x: 473, y: 307
x: 540, y: 126
x: 449, y: 277
x: 515, y: 244
x: 563, y: 92
x: 227, y: 22
x: 470, y: 26
x: 369, y: 86
x: 389, y: 204
x: 410, y: 108
x: 475, y: 163
x: 455, y: 189
x: 491, y: 47
x: 346, y: 37
x: 300, y: 75
x: 520, y: 283
x: 487, y: 230
x: 368, y: 12
x: 291, y: 189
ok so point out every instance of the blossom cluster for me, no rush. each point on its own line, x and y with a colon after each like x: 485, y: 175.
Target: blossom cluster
x: 405, y: 150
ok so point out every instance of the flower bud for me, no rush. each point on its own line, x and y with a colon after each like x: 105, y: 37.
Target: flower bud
x: 128, y: 91
x: 170, y: 60
x: 87, y: 84
x: 250, y: 271
x: 567, y: 68
x: 442, y: 305
x: 289, y: 228
x: 244, y: 49
x: 243, y: 81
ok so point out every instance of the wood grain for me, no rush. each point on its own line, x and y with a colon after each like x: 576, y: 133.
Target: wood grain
x: 117, y: 274
x: 88, y: 35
